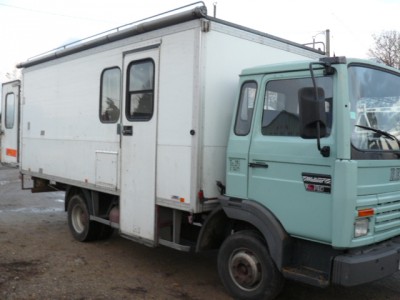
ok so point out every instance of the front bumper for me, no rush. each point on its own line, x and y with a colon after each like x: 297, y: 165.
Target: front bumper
x: 367, y: 264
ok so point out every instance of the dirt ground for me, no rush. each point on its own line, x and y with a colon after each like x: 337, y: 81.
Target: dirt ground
x: 39, y: 259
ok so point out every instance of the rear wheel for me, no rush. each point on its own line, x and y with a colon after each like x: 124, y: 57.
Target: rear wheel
x: 82, y: 229
x: 246, y: 268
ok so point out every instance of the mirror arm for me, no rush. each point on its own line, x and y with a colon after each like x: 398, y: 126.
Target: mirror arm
x: 325, y: 150
x: 314, y: 82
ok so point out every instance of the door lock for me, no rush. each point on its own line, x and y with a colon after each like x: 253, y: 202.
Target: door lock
x: 127, y: 130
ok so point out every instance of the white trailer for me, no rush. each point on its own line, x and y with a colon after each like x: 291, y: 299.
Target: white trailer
x: 134, y: 124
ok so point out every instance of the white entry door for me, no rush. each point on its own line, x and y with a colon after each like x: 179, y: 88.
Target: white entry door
x: 138, y: 144
x: 9, y: 131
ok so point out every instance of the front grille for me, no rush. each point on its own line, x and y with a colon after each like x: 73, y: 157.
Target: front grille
x: 387, y: 213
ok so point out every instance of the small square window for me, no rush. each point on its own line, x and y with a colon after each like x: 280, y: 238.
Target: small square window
x: 244, y: 114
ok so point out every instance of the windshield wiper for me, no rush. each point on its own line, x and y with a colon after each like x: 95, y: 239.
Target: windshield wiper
x: 381, y: 132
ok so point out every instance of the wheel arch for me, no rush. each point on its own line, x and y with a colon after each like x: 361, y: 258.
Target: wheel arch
x: 73, y: 190
x: 258, y: 217
x: 213, y: 232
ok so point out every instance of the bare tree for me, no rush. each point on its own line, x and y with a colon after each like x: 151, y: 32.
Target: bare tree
x: 387, y: 48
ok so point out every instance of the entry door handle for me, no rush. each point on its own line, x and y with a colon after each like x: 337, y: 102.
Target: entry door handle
x: 127, y: 130
x: 258, y: 165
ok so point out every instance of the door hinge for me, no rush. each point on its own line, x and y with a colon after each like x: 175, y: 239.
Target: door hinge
x: 205, y: 25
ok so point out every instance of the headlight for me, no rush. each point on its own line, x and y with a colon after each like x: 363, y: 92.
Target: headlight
x: 361, y: 227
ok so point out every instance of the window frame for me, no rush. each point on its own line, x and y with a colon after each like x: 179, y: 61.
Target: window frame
x: 101, y: 95
x: 138, y: 118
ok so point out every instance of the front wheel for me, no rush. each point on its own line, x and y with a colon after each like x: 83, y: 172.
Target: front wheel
x: 246, y: 268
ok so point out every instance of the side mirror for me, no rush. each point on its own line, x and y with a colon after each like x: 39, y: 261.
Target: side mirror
x: 312, y: 112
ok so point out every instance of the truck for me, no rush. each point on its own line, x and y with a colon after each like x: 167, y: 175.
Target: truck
x: 190, y: 132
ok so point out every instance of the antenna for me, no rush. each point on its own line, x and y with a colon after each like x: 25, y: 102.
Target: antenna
x: 326, y: 45
x: 215, y: 9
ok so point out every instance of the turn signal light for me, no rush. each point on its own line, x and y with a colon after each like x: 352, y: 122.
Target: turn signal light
x: 367, y: 212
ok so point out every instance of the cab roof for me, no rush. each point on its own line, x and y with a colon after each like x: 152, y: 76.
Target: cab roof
x: 305, y: 65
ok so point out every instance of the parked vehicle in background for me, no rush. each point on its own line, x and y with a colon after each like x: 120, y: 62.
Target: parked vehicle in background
x: 9, y: 123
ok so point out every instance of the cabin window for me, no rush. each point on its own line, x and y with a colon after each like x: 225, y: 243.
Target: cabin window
x: 10, y: 111
x: 140, y: 93
x: 110, y: 95
x: 244, y: 114
x: 281, y: 105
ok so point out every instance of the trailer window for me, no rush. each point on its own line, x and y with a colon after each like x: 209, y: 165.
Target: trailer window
x: 245, y: 109
x: 281, y: 105
x: 10, y: 110
x: 110, y: 95
x: 140, y: 94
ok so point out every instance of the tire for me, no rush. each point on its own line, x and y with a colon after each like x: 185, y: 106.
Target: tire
x: 246, y: 268
x: 82, y: 229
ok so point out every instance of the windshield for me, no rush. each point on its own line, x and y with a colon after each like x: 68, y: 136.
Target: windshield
x: 375, y: 110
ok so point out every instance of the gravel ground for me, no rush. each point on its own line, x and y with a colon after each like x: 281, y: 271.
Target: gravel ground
x: 39, y: 259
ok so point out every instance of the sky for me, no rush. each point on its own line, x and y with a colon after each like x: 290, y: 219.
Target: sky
x: 29, y: 28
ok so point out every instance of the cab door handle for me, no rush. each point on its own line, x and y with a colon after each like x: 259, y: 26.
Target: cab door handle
x: 258, y: 165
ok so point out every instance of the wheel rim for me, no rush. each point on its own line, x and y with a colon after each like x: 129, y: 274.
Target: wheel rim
x: 78, y: 218
x: 245, y: 269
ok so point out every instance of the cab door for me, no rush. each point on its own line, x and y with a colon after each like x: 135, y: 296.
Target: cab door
x: 138, y: 144
x: 9, y: 132
x: 287, y: 173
